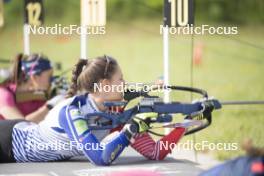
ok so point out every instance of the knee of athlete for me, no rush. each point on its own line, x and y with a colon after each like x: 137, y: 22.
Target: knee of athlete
x: 160, y: 158
x: 154, y: 157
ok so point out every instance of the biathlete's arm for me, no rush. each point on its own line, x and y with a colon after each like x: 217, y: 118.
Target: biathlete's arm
x: 10, y: 111
x: 75, y: 125
x: 146, y: 146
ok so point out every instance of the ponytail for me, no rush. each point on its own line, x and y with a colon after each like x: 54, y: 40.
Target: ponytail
x: 16, y: 75
x: 75, y: 74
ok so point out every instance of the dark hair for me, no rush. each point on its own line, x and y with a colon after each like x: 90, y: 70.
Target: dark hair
x: 16, y: 76
x: 16, y: 73
x: 86, y: 73
x: 23, y: 66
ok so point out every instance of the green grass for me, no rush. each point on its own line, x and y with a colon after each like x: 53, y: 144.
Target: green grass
x: 230, y: 70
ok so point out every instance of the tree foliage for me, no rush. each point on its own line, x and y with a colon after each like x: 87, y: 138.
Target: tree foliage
x: 230, y: 11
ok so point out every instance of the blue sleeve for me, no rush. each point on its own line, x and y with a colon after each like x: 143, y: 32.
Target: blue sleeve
x: 75, y: 125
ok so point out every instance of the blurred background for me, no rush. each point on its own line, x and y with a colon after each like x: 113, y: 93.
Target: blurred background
x: 229, y: 67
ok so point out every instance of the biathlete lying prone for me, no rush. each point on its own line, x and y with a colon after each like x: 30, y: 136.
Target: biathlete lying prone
x: 67, y: 124
x: 25, y: 93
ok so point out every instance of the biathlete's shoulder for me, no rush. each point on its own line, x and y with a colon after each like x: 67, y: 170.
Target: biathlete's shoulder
x: 79, y: 100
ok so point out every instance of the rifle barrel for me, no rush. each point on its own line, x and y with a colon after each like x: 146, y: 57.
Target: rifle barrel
x: 242, y: 103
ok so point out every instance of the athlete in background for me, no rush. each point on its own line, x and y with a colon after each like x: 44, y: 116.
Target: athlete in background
x: 24, y: 93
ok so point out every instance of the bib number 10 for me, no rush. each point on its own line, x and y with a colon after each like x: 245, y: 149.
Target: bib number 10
x: 178, y: 12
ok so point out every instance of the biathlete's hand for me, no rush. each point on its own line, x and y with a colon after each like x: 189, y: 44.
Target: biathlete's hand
x: 208, y: 108
x: 143, y: 121
x: 140, y: 123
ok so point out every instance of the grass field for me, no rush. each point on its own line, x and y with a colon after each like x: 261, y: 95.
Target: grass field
x: 230, y: 70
